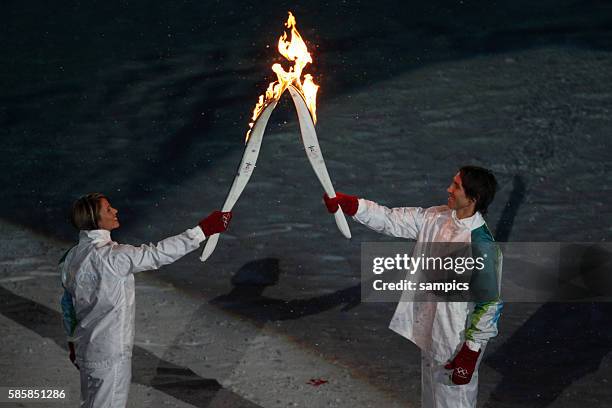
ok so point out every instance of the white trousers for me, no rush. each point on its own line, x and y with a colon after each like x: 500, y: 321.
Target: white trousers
x: 437, y: 389
x: 106, y: 387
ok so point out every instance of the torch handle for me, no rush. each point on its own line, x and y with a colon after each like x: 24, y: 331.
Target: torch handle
x: 342, y: 224
x: 315, y: 156
x: 209, y: 248
x: 245, y: 170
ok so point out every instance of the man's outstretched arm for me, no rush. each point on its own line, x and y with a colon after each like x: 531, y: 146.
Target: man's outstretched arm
x: 403, y: 222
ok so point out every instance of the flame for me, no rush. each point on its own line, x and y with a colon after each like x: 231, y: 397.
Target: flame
x: 294, y: 50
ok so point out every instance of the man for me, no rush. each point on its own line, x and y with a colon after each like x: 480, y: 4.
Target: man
x: 451, y: 335
x: 98, y: 303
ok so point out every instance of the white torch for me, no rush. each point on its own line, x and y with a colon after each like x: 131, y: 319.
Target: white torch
x: 303, y: 94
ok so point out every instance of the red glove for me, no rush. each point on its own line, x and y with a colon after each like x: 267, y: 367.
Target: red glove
x: 348, y: 203
x: 215, y: 223
x: 72, y: 354
x: 463, y: 365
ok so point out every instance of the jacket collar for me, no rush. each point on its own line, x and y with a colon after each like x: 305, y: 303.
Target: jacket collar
x: 473, y: 222
x: 97, y: 237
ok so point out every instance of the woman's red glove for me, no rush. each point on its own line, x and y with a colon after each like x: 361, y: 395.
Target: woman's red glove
x: 463, y: 365
x: 216, y: 222
x: 72, y: 354
x: 348, y: 203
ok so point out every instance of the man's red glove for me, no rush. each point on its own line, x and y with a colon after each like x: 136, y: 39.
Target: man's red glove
x: 215, y: 223
x: 463, y: 365
x: 348, y: 203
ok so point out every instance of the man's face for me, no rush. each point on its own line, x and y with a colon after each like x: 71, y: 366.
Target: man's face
x: 457, y: 199
x: 107, y: 218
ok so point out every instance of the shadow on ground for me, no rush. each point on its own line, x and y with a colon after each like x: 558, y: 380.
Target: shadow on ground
x: 247, y: 299
x: 179, y: 382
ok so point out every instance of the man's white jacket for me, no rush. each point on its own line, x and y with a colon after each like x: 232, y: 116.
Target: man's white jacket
x: 439, y: 328
x: 98, y: 303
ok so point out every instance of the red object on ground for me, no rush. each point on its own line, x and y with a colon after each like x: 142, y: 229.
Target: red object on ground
x: 315, y: 382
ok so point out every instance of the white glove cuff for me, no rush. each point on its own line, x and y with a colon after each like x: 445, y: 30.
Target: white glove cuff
x: 472, y: 345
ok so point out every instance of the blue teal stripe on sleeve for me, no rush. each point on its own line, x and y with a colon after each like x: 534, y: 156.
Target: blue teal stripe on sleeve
x: 483, y: 321
x: 68, y: 313
x: 69, y: 319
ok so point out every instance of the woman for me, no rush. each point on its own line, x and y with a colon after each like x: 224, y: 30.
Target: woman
x: 98, y: 301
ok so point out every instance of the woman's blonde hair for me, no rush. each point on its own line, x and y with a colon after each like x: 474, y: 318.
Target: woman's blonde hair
x: 86, y: 210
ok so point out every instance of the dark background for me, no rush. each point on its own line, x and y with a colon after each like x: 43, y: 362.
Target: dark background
x: 149, y: 103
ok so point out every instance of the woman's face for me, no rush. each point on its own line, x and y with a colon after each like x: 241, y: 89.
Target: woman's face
x: 107, y: 218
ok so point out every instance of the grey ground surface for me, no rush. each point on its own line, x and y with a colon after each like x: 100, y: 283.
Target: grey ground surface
x: 155, y: 117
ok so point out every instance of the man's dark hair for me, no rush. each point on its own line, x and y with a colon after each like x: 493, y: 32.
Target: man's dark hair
x: 86, y: 211
x: 479, y: 184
